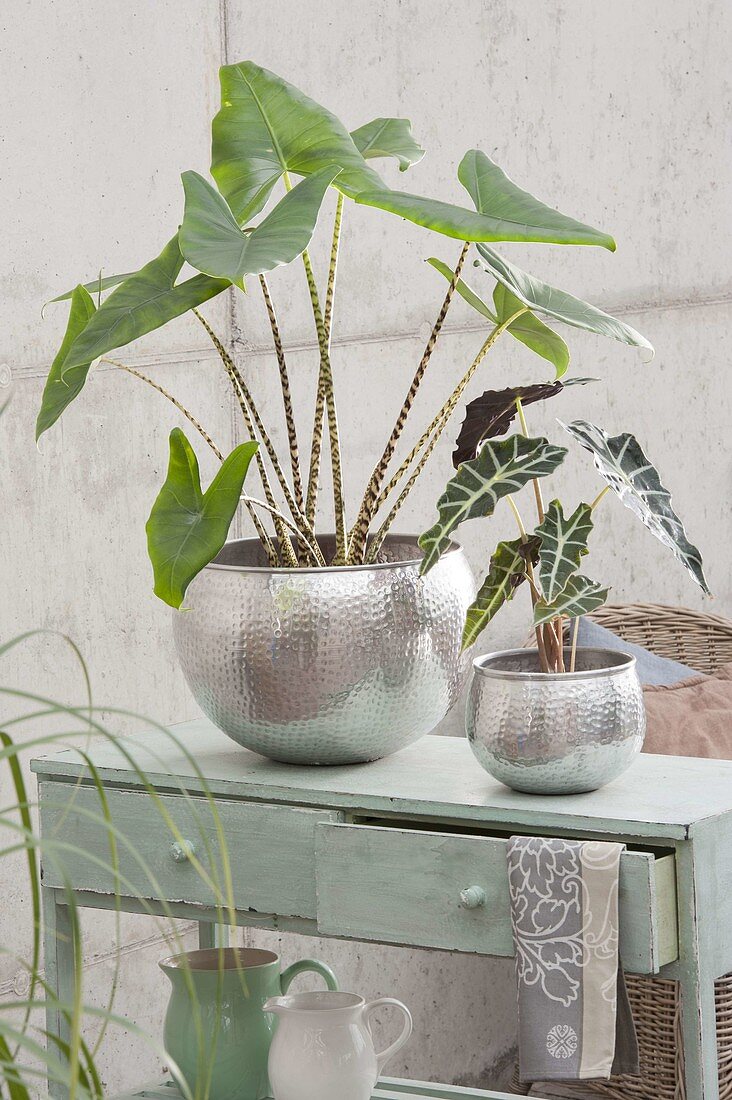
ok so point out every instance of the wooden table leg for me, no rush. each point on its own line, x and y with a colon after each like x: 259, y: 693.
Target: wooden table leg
x: 698, y: 1009
x: 59, y: 970
x: 212, y: 935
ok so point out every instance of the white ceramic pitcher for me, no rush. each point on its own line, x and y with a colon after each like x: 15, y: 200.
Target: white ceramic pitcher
x: 323, y: 1048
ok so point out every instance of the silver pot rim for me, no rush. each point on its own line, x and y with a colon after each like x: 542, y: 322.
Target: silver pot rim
x: 611, y: 662
x: 454, y: 548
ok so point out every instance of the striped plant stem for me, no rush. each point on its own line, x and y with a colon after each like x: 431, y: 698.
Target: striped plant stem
x: 258, y: 526
x: 429, y: 438
x: 286, y: 547
x: 330, y: 408
x: 317, y: 433
x: 286, y: 396
x: 359, y: 532
x: 173, y: 400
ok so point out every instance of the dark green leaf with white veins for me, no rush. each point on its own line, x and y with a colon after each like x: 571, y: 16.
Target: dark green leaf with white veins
x: 267, y: 127
x: 492, y: 414
x: 506, y: 572
x: 622, y: 463
x: 188, y: 527
x: 501, y: 467
x: 142, y: 303
x: 552, y: 302
x: 580, y: 597
x: 517, y: 212
x: 527, y: 328
x: 212, y: 242
x: 563, y: 545
x: 59, y: 392
x: 388, y: 137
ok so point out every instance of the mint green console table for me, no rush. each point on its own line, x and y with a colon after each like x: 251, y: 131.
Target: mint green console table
x: 409, y: 850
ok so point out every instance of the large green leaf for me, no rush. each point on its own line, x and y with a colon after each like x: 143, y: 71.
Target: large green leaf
x: 388, y: 137
x: 516, y: 211
x: 463, y: 224
x: 212, y: 242
x: 267, y: 127
x: 527, y: 328
x: 142, y: 303
x: 504, y: 212
x: 563, y: 545
x: 188, y: 527
x: 621, y: 461
x: 506, y: 572
x: 579, y: 597
x: 552, y: 302
x: 502, y: 467
x: 60, y: 392
x: 492, y: 414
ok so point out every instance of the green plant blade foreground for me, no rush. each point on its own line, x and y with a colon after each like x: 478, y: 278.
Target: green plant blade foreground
x: 563, y: 545
x: 580, y: 597
x: 552, y: 302
x: 517, y: 211
x: 502, y: 467
x: 622, y: 463
x: 212, y: 242
x: 506, y: 572
x: 60, y: 391
x: 141, y: 304
x: 267, y: 127
x: 188, y: 527
x: 96, y: 286
x: 388, y: 137
x: 527, y: 328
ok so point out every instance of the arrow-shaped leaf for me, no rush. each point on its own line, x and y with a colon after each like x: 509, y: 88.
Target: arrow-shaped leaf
x: 552, y: 302
x: 527, y: 328
x: 212, y: 242
x: 621, y: 461
x: 59, y: 392
x: 145, y: 301
x: 188, y: 527
x: 563, y: 545
x: 502, y: 467
x: 516, y: 211
x: 506, y: 572
x: 388, y: 137
x: 492, y: 414
x: 267, y: 127
x: 580, y: 597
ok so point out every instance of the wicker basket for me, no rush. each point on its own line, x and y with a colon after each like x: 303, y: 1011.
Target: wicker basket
x: 704, y: 642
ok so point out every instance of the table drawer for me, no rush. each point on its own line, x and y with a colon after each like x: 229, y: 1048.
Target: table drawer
x: 271, y: 849
x: 404, y: 886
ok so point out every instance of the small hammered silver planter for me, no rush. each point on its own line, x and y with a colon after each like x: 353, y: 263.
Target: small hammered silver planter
x: 555, y: 733
x: 326, y: 666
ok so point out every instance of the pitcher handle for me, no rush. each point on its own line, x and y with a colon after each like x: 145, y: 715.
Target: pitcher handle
x: 305, y: 966
x: 386, y: 1055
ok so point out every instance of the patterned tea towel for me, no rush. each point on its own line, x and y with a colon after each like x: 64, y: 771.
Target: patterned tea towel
x: 574, y: 1016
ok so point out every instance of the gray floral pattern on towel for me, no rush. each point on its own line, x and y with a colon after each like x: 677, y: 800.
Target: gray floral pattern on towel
x: 564, y: 909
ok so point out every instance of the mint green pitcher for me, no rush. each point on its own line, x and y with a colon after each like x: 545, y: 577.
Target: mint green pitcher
x: 215, y: 1030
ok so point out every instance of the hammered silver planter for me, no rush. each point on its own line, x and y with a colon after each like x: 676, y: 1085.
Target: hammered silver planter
x: 326, y: 666
x: 562, y: 733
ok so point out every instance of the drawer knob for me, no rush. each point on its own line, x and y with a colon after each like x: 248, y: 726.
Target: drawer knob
x: 472, y: 897
x: 182, y: 850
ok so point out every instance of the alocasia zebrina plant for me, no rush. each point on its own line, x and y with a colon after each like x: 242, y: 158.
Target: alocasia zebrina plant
x: 276, y: 155
x: 490, y: 469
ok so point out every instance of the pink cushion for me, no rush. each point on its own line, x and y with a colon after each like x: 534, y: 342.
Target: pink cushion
x: 691, y: 718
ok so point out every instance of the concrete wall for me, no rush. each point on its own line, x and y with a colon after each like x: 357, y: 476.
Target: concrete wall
x: 615, y: 112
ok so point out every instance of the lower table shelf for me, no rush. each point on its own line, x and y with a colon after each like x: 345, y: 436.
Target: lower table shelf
x: 389, y: 1088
